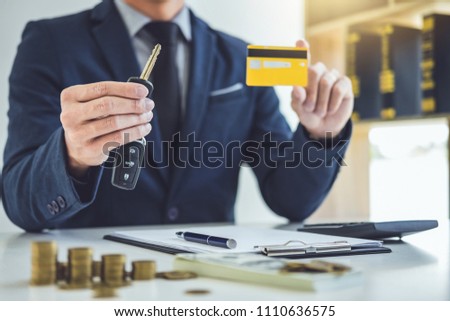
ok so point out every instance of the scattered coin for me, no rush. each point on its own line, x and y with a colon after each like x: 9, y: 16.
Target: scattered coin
x: 317, y: 266
x: 104, y: 291
x: 197, y: 292
x: 329, y: 267
x: 176, y: 275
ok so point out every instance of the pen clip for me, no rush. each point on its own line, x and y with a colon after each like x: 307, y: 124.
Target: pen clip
x: 297, y: 247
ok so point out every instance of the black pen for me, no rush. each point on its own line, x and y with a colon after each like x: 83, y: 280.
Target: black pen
x: 207, y: 239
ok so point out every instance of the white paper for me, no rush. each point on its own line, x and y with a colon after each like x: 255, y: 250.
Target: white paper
x: 246, y: 238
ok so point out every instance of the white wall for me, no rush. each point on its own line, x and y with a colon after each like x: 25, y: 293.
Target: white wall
x: 262, y: 22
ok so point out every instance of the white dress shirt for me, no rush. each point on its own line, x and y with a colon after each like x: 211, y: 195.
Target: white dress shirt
x: 143, y: 42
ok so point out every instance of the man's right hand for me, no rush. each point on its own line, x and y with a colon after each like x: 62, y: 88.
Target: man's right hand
x: 102, y: 114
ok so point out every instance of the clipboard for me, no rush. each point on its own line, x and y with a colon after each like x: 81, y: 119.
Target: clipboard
x: 296, y: 249
x: 249, y: 240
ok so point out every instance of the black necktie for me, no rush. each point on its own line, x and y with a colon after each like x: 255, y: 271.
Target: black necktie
x: 166, y: 94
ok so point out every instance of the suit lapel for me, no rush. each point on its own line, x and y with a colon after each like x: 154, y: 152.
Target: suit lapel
x: 200, y: 76
x: 114, y: 41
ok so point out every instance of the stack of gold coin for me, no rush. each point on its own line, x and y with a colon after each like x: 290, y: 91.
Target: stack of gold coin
x: 80, y: 267
x: 61, y: 271
x: 143, y: 270
x: 113, y: 270
x: 96, y: 269
x: 43, y: 263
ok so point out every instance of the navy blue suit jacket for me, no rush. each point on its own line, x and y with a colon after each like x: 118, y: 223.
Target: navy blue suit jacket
x: 94, y: 46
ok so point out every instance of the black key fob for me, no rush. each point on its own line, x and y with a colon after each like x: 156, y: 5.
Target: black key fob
x: 129, y: 158
x: 128, y: 162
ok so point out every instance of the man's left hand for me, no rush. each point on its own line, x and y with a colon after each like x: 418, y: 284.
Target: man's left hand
x: 326, y: 104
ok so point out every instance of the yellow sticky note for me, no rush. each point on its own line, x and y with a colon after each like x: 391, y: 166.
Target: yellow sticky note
x: 277, y: 66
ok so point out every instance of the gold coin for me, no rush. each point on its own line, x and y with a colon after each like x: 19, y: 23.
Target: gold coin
x: 43, y: 263
x: 76, y: 276
x: 290, y: 267
x: 113, y: 267
x: 197, y: 292
x: 44, y: 247
x: 42, y: 274
x: 324, y: 266
x: 104, y: 291
x: 143, y: 270
x: 42, y: 281
x: 176, y: 275
x: 48, y: 268
x: 96, y: 268
x: 80, y: 251
x: 43, y: 257
x: 315, y: 266
x: 75, y: 285
x: 113, y: 258
x: 61, y: 271
x: 116, y: 283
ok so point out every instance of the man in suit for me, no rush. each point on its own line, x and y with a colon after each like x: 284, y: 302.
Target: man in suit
x: 70, y: 103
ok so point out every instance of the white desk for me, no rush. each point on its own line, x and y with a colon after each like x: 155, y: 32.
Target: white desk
x: 416, y: 270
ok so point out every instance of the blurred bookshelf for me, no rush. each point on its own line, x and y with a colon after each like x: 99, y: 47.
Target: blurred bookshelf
x: 358, y: 191
x: 327, y: 22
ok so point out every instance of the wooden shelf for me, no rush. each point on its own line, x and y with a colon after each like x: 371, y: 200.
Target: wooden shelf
x: 328, y: 39
x: 405, y: 13
x: 327, y: 34
x: 372, y: 15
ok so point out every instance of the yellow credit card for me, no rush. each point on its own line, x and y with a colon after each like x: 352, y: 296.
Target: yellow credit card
x: 277, y: 66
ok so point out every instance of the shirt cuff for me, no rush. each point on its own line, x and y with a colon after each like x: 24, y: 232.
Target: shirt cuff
x: 331, y: 142
x: 86, y: 186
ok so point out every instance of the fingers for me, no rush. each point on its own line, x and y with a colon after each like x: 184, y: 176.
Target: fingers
x: 315, y: 74
x: 115, y: 123
x: 325, y: 85
x: 83, y: 93
x: 298, y: 96
x: 325, y: 93
x: 106, y: 106
x: 121, y: 137
x: 341, y: 91
x: 96, y: 114
x: 96, y: 151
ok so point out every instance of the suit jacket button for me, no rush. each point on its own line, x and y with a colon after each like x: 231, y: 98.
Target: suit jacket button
x: 55, y: 206
x: 50, y: 209
x: 61, y: 202
x: 173, y: 213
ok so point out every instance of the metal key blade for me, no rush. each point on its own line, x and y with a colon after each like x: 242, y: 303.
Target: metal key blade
x: 150, y: 62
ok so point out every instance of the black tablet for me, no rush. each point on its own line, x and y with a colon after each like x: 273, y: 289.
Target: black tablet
x: 371, y: 230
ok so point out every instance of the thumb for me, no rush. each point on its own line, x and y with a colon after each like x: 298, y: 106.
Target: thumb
x: 302, y: 43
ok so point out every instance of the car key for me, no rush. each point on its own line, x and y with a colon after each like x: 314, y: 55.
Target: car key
x: 129, y: 158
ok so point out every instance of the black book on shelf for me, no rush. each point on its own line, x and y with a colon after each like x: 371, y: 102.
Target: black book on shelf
x: 436, y: 64
x: 400, y: 74
x: 363, y: 67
